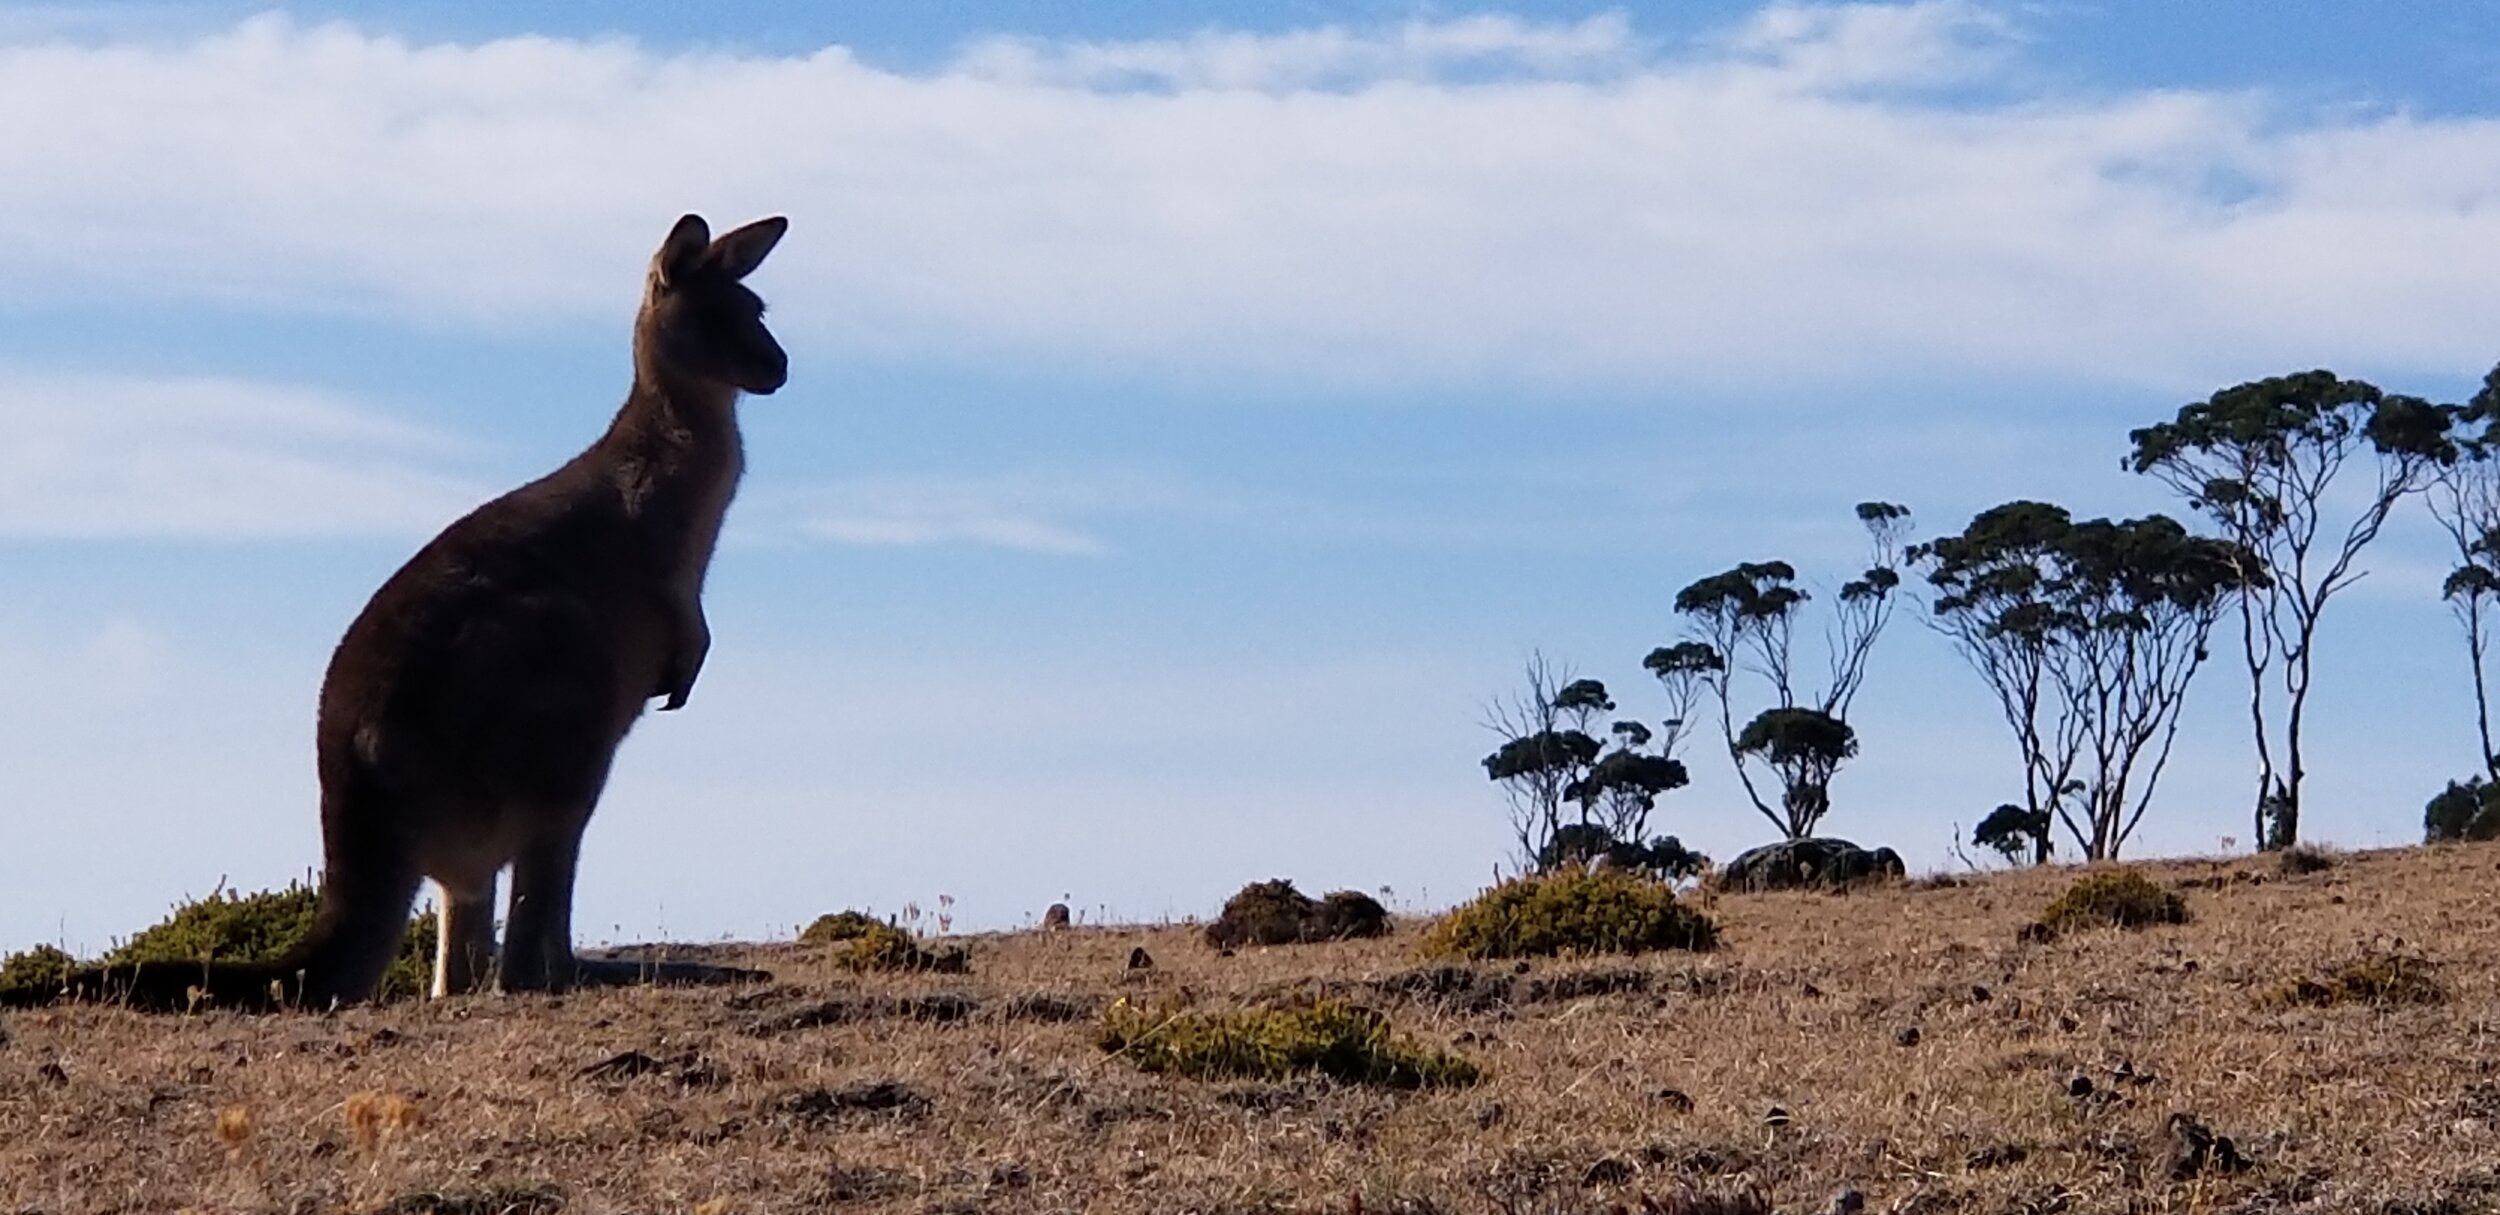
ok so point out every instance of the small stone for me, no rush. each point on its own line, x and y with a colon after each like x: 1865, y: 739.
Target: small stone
x: 1055, y: 916
x: 1907, y: 1036
x: 1139, y: 959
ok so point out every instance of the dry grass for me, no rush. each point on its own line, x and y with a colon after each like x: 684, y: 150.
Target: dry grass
x: 2043, y: 1077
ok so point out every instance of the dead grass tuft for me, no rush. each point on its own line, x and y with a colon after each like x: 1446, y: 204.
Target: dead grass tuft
x: 2377, y: 979
x: 2111, y: 898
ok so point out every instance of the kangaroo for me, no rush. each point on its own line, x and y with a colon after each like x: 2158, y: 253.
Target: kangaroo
x: 470, y: 714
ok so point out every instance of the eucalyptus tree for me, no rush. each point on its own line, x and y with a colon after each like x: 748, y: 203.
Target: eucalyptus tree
x: 2088, y: 634
x: 2265, y: 461
x: 1565, y: 786
x: 1743, y: 622
x: 2465, y: 497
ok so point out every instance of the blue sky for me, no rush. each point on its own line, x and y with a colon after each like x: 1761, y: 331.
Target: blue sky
x: 1197, y: 413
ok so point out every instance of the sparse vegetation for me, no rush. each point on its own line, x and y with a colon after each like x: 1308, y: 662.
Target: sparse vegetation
x: 2111, y: 898
x: 1318, y: 1035
x: 1601, y: 1080
x: 1571, y: 913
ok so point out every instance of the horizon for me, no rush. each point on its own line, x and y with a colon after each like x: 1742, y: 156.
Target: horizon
x: 1197, y: 414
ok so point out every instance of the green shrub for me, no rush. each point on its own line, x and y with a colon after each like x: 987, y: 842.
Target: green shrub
x: 2470, y: 811
x: 1571, y: 913
x: 1322, y: 1035
x: 2120, y: 898
x: 2380, y: 980
x: 34, y: 975
x: 262, y: 927
x: 839, y: 926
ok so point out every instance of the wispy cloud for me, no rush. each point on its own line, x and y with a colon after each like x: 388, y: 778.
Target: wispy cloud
x: 1483, y: 199
x: 1049, y: 512
x: 101, y: 457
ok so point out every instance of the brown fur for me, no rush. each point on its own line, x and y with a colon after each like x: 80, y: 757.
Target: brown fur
x: 470, y: 714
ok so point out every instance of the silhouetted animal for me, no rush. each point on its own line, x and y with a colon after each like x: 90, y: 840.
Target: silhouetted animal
x: 470, y: 714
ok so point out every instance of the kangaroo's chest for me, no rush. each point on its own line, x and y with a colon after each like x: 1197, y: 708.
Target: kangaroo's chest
x: 706, y: 503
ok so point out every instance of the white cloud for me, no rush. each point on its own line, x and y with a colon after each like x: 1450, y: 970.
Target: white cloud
x: 1054, y: 513
x: 96, y: 457
x: 1485, y: 199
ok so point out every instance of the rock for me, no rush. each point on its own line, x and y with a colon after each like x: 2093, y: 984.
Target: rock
x: 1809, y: 864
x: 1055, y: 917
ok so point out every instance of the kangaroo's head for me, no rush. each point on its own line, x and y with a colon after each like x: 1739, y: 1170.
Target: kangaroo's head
x: 699, y: 323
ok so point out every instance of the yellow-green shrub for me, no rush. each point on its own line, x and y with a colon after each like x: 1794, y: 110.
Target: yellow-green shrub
x: 1322, y: 1035
x: 1571, y: 913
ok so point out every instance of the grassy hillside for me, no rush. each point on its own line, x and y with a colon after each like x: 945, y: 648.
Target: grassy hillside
x: 1915, y: 1048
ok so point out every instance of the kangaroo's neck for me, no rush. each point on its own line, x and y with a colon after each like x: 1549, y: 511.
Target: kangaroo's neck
x: 674, y: 455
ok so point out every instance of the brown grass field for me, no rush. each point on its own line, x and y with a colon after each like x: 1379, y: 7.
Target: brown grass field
x: 986, y: 1091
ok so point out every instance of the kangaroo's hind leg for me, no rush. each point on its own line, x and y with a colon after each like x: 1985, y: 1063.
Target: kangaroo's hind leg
x: 464, y: 944
x: 538, y: 937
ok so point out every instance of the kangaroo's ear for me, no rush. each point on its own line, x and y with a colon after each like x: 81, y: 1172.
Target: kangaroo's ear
x: 683, y: 251
x: 739, y: 252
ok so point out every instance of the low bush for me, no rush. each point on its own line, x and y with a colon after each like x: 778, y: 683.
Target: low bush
x: 1274, y: 913
x: 863, y: 942
x: 1324, y: 1036
x: 2112, y: 898
x: 35, y: 975
x: 839, y: 926
x: 1571, y: 913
